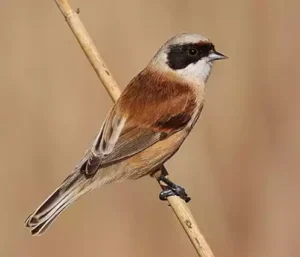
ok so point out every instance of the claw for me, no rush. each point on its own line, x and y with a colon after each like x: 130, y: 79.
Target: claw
x: 172, y: 189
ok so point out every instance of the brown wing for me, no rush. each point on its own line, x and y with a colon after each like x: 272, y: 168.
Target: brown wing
x: 150, y: 109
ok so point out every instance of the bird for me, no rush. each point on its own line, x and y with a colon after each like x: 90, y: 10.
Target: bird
x: 143, y: 129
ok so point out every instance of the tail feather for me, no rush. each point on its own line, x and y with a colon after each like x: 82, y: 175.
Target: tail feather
x: 41, y: 226
x: 74, y: 186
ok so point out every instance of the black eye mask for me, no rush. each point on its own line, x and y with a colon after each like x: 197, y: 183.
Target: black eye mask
x: 180, y: 56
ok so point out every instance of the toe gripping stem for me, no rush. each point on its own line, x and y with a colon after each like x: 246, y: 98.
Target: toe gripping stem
x: 172, y: 189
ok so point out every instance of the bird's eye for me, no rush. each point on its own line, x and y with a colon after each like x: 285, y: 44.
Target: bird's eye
x: 192, y: 51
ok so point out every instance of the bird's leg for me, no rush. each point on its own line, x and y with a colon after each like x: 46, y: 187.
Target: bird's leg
x: 171, y: 188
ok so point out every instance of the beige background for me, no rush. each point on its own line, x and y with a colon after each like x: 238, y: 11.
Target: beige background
x: 240, y: 164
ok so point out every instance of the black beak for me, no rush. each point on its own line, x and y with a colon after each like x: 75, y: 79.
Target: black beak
x: 214, y: 55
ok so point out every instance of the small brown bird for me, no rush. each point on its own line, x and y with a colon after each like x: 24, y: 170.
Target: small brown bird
x: 145, y: 127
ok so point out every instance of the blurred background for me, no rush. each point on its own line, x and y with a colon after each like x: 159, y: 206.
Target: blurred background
x: 240, y: 164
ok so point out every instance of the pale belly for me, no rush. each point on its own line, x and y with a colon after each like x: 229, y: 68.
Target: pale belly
x: 143, y: 163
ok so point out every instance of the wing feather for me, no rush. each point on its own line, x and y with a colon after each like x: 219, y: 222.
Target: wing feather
x: 147, y: 111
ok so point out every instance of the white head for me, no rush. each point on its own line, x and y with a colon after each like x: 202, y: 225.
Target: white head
x: 188, y: 56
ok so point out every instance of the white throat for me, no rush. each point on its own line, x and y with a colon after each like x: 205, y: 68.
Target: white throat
x: 196, y: 72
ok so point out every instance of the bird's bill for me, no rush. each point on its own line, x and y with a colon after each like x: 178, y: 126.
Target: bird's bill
x: 214, y: 56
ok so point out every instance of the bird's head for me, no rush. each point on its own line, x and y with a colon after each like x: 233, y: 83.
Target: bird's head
x: 187, y: 56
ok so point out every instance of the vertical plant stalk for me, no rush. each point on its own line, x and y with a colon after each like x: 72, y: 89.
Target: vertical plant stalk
x: 178, y: 205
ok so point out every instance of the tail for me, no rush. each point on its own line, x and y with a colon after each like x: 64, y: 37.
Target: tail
x: 74, y: 186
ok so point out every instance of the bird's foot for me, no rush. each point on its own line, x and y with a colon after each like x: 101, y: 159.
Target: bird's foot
x: 172, y: 189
